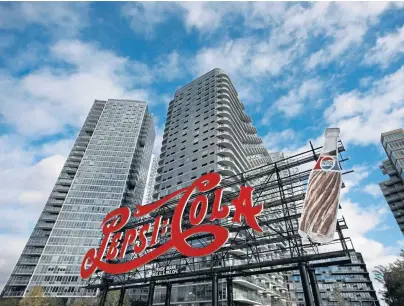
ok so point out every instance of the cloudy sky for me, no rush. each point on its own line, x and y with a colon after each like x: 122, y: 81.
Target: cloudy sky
x: 298, y: 67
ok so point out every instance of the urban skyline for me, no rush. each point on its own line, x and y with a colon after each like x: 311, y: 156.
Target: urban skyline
x: 298, y: 68
x: 206, y: 131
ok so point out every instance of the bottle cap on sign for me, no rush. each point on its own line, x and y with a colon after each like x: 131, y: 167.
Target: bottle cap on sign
x: 334, y: 132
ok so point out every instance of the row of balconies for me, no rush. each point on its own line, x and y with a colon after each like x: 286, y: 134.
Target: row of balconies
x: 33, y: 251
x: 48, y: 217
x: 229, y: 161
x: 55, y: 202
x: 58, y: 195
x: 65, y: 182
x: 70, y: 169
x: 392, y: 190
x: 37, y: 241
x: 235, y: 150
x: 72, y: 164
x: 395, y: 197
x: 24, y: 270
x: 77, y: 153
x: 12, y: 292
x: 28, y: 260
x: 43, y: 224
x: 253, y: 139
x: 61, y: 188
x: 20, y: 281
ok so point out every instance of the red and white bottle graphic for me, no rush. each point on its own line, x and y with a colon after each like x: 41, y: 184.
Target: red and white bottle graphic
x: 319, y: 217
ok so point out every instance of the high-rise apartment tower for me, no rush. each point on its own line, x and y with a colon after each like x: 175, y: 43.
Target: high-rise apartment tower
x: 106, y: 168
x: 393, y: 188
x: 207, y: 130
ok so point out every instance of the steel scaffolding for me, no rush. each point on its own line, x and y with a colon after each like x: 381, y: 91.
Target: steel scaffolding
x: 280, y: 187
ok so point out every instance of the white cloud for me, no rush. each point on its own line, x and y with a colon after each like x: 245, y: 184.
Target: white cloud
x: 144, y: 17
x: 373, y: 189
x: 9, y: 255
x: 60, y: 18
x: 292, y: 103
x: 273, y: 140
x: 351, y: 180
x: 25, y: 185
x: 48, y: 99
x: 388, y: 49
x: 24, y: 182
x: 363, y: 116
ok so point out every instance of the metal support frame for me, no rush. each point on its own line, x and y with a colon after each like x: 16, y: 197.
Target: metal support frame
x: 168, y: 294
x: 104, y: 296
x: 275, y: 190
x: 314, y: 286
x: 308, y: 297
x: 121, y: 296
x: 214, y: 290
x: 229, y: 291
x: 151, y: 294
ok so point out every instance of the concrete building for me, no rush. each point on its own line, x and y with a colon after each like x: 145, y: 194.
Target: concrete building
x: 106, y: 168
x: 348, y: 285
x: 393, y: 188
x: 151, y: 180
x: 207, y: 130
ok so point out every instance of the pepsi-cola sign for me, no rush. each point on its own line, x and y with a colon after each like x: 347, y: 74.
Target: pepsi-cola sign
x: 115, y: 242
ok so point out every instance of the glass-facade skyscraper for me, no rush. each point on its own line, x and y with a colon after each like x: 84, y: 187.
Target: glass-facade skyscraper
x: 106, y: 168
x: 393, y: 188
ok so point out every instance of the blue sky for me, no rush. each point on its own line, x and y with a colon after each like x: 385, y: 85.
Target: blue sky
x: 298, y: 67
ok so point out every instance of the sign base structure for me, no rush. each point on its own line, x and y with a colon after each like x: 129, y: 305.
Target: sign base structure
x: 241, y: 228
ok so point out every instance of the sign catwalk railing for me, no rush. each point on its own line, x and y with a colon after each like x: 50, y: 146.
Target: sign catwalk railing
x: 219, y: 227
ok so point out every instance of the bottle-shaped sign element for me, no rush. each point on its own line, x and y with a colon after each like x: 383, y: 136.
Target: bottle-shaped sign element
x: 319, y: 217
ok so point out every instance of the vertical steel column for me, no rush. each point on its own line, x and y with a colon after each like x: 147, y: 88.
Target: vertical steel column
x: 121, y: 296
x: 214, y: 290
x: 314, y: 286
x: 104, y: 296
x: 168, y: 294
x: 229, y: 291
x: 151, y: 294
x: 305, y: 284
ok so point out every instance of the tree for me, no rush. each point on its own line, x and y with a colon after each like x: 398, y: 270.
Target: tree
x: 8, y: 302
x: 338, y: 295
x: 392, y: 279
x: 85, y: 302
x: 113, y: 299
x: 34, y: 298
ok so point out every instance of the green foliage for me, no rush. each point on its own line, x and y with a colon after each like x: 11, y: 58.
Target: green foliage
x: 34, y: 298
x: 392, y: 279
x: 338, y: 295
x: 9, y: 302
x: 85, y: 302
x: 113, y: 299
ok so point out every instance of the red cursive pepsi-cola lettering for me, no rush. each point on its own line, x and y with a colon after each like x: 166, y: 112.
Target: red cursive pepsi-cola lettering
x: 119, y: 241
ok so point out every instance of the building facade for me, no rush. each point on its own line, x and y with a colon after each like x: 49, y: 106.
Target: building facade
x: 393, y: 188
x: 348, y: 285
x: 207, y: 130
x: 151, y: 180
x: 106, y: 168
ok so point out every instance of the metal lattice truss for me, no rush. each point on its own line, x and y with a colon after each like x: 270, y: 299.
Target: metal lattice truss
x: 280, y: 187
